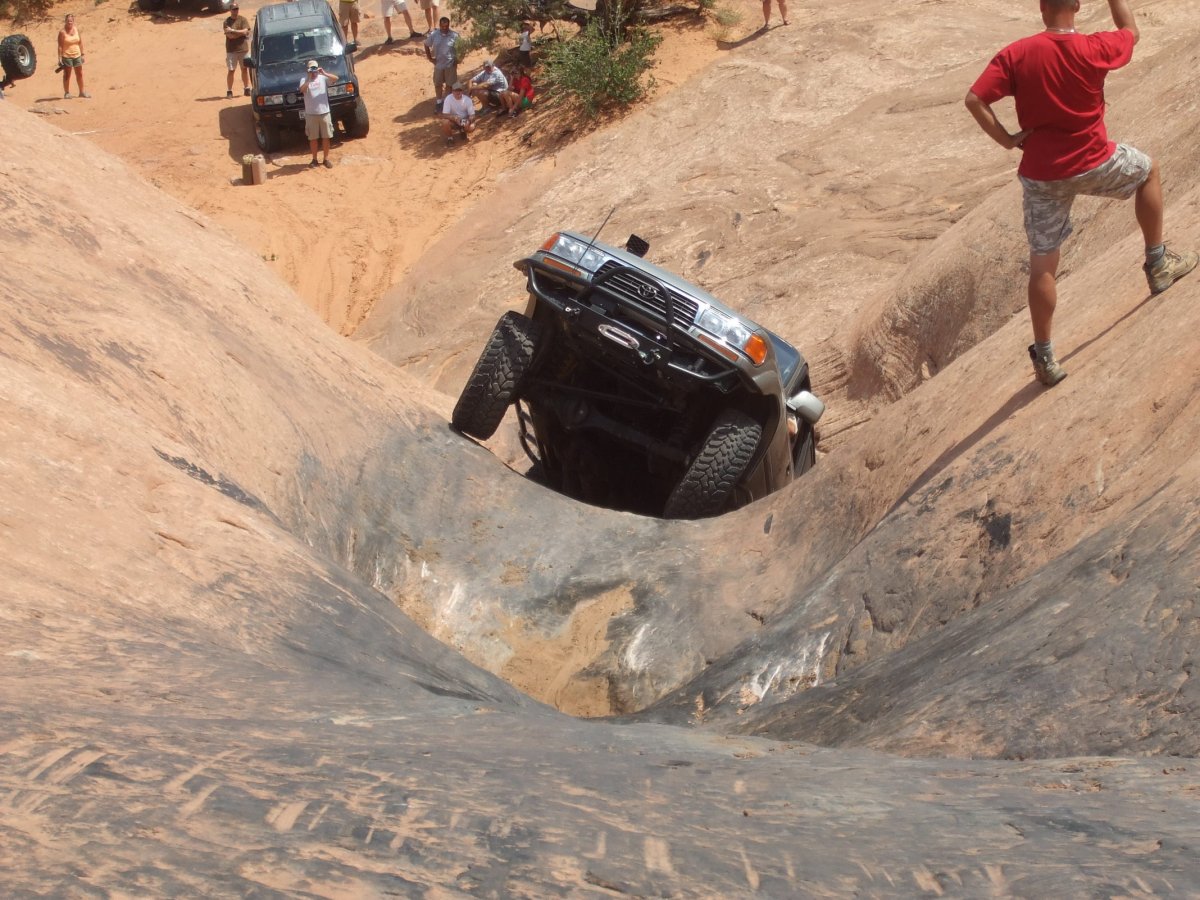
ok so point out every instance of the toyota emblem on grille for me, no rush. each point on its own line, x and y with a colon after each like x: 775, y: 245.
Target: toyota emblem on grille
x: 646, y: 291
x: 617, y: 336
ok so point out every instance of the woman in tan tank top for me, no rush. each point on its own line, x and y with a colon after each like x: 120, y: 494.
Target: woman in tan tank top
x: 70, y: 57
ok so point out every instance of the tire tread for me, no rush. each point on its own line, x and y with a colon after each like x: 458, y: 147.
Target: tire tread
x: 498, y: 376
x: 709, y: 482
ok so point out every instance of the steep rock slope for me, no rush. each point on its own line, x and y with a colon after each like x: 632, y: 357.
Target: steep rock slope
x: 198, y: 699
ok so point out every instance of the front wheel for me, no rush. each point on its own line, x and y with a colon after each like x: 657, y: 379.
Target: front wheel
x: 498, y: 376
x: 267, y: 136
x: 709, y: 482
x: 358, y: 123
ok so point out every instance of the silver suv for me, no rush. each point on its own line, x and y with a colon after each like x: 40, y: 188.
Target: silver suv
x: 637, y: 390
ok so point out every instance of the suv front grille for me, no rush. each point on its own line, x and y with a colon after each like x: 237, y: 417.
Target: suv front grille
x: 647, y: 294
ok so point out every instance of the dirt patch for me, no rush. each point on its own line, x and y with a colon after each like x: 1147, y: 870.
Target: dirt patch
x: 554, y: 668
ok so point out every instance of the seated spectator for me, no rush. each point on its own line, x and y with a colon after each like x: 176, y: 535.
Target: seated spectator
x: 458, y: 114
x: 489, y: 84
x: 519, y: 96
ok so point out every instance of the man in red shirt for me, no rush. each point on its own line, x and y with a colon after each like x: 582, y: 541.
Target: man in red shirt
x: 1057, y: 79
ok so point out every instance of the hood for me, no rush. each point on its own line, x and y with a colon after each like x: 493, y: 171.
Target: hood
x: 283, y: 77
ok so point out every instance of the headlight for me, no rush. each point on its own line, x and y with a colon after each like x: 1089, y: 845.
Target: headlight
x: 271, y: 100
x: 734, y: 334
x: 576, y: 251
x: 720, y: 325
x: 339, y: 89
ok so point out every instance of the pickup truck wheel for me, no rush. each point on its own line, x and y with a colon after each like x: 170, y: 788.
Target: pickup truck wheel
x: 267, y: 136
x: 804, y: 456
x: 498, y: 377
x: 707, y: 485
x: 17, y: 57
x: 358, y: 123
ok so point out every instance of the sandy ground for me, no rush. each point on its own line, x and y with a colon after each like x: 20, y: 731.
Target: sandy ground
x: 340, y: 237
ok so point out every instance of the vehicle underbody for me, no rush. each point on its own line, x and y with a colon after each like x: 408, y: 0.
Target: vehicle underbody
x: 623, y: 401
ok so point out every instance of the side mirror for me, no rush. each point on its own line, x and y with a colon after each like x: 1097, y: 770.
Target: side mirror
x: 248, y: 62
x: 807, y: 405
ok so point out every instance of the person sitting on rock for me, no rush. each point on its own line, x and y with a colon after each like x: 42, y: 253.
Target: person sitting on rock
x: 519, y: 94
x: 489, y: 84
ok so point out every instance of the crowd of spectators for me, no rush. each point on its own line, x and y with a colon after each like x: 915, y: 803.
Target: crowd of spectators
x: 494, y: 90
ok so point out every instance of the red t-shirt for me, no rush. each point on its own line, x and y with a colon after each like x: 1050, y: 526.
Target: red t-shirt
x: 523, y: 86
x: 1058, y: 83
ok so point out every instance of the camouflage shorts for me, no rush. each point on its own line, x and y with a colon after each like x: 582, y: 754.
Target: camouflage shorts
x: 1048, y: 203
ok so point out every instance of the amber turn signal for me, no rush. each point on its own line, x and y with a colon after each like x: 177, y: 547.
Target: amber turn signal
x: 756, y: 348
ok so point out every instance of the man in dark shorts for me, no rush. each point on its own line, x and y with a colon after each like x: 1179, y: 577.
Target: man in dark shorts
x: 1057, y: 79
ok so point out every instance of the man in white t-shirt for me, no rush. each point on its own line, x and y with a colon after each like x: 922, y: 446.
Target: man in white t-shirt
x: 318, y: 124
x: 387, y: 8
x: 458, y: 114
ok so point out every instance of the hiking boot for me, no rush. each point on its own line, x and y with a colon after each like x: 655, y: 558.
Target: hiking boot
x: 1168, y: 270
x: 1046, y: 368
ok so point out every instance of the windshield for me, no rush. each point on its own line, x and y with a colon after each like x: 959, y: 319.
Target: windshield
x: 298, y: 45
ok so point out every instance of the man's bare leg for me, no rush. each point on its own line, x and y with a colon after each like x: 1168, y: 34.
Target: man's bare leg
x: 1043, y: 293
x: 1148, y: 206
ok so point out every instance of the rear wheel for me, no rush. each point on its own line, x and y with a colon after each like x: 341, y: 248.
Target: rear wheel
x: 708, y: 484
x: 17, y: 57
x: 498, y: 376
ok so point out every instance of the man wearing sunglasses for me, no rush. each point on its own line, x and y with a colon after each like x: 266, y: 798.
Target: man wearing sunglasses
x: 318, y: 124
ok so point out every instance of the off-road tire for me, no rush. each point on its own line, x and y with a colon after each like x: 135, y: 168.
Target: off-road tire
x: 498, y: 377
x: 804, y: 457
x: 17, y: 57
x: 267, y: 136
x: 358, y: 123
x: 708, y: 483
